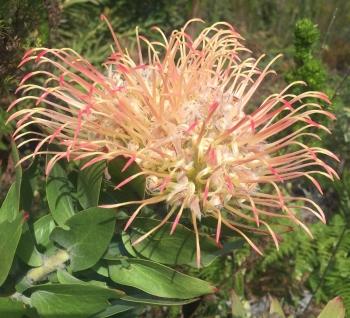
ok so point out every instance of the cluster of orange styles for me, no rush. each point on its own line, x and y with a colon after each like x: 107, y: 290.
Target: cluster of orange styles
x: 178, y: 109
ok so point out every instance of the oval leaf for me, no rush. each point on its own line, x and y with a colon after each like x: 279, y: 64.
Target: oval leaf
x: 64, y: 277
x: 334, y: 309
x: 88, y: 236
x: 276, y: 308
x: 158, y: 280
x: 42, y: 230
x: 237, y: 307
x: 176, y: 249
x: 27, y: 250
x: 59, y: 195
x: 89, y: 184
x: 74, y: 301
x: 143, y: 298
x: 11, y: 308
x: 10, y: 207
x: 10, y: 233
x: 117, y: 307
x: 29, y: 185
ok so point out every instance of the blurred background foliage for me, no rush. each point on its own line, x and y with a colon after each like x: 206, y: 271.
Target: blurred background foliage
x: 314, y: 37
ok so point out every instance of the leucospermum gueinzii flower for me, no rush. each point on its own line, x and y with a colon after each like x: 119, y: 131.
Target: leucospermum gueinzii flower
x: 179, y: 111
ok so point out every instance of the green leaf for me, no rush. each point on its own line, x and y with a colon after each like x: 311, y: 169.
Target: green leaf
x: 28, y: 186
x: 10, y: 233
x: 11, y: 308
x: 71, y: 300
x: 59, y: 195
x: 10, y: 207
x: 7, y: 210
x: 238, y: 310
x: 276, y: 308
x: 133, y: 190
x: 117, y: 307
x: 176, y: 249
x: 334, y: 309
x: 158, y: 280
x: 27, y: 250
x: 147, y: 299
x: 89, y: 184
x: 42, y: 230
x: 101, y: 270
x: 88, y: 236
x: 64, y: 277
x: 116, y: 250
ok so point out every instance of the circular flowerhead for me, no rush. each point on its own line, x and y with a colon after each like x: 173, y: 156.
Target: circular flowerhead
x: 179, y: 110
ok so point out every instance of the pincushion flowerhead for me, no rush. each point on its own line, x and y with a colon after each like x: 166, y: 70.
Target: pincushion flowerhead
x: 179, y: 110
